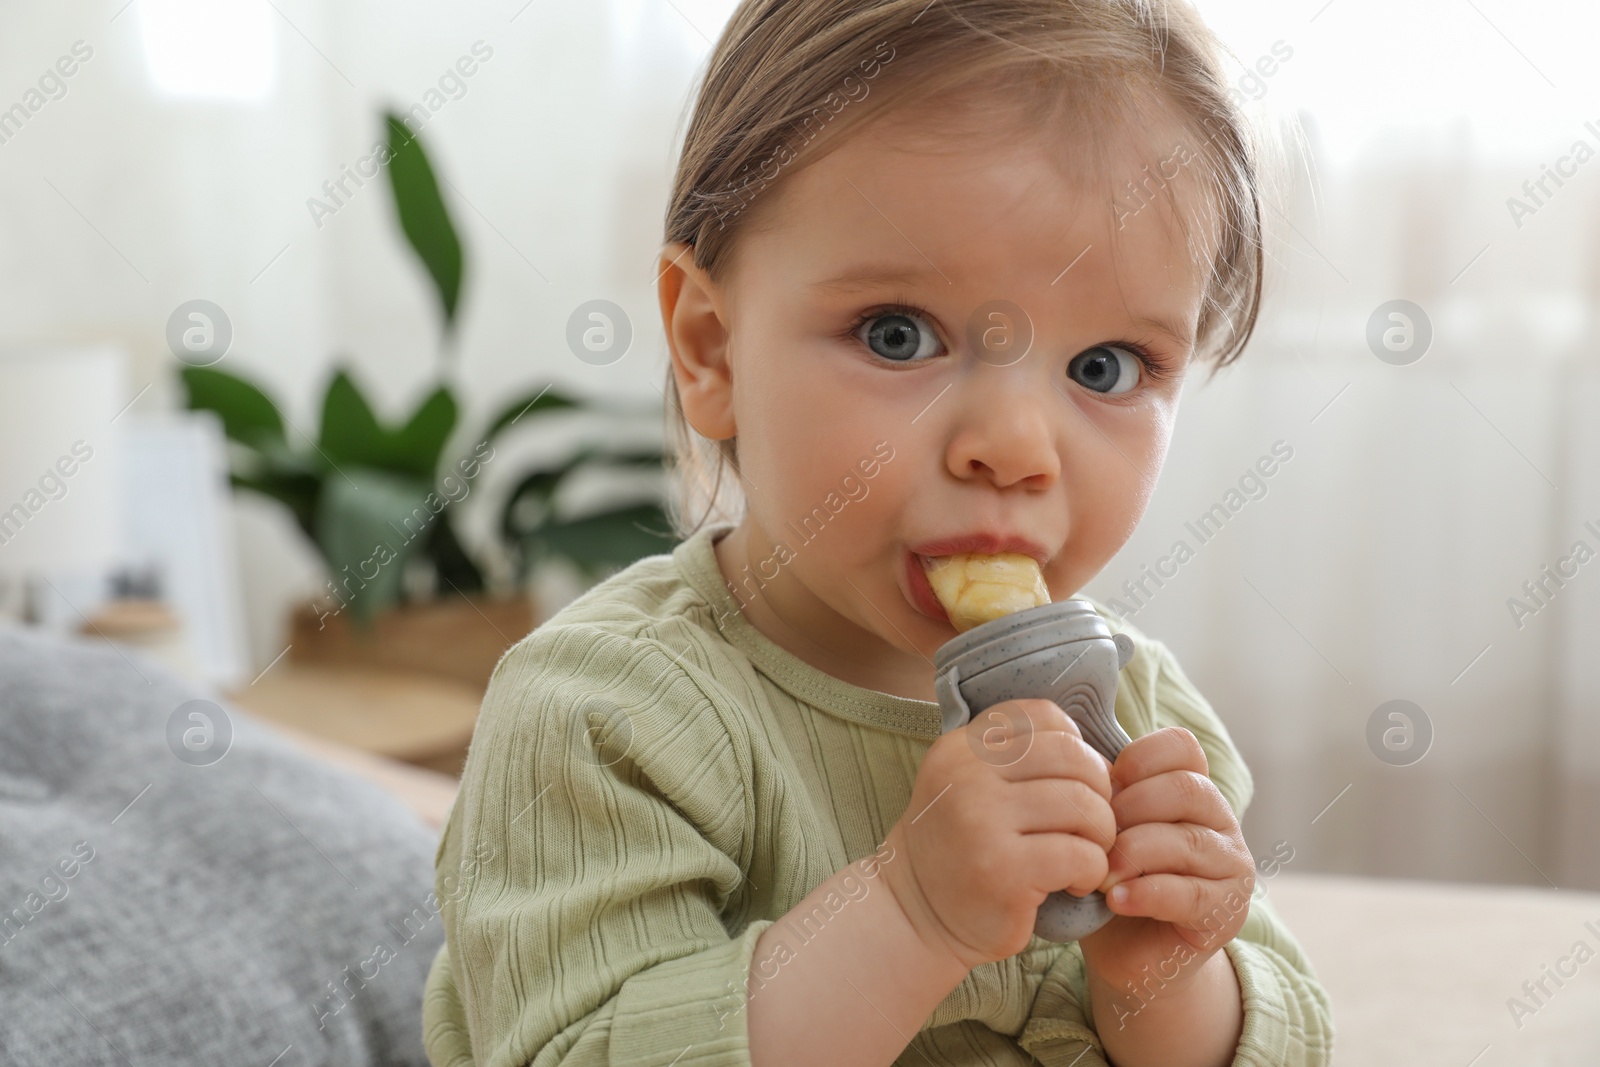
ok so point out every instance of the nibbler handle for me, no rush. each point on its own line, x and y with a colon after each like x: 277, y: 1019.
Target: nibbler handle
x: 1062, y: 916
x: 1090, y: 694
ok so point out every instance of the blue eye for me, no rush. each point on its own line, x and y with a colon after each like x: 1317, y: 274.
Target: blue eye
x: 899, y: 336
x: 1105, y: 369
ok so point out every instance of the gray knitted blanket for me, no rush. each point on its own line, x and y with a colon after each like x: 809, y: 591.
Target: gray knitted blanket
x: 179, y: 885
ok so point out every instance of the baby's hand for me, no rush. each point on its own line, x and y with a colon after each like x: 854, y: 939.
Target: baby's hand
x: 1181, y: 858
x: 1005, y: 810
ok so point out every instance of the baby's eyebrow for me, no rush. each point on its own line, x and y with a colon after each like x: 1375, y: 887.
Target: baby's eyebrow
x: 867, y: 274
x: 1166, y: 326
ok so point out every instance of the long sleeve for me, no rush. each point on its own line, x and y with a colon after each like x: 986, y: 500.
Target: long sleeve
x: 610, y: 782
x: 1288, y: 1019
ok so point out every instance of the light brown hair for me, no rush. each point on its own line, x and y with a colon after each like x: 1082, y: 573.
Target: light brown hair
x: 789, y: 78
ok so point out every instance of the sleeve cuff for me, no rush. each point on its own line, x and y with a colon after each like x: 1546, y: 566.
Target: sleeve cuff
x: 1058, y: 1043
x: 1057, y: 1034
x: 691, y: 1010
x: 1275, y: 1033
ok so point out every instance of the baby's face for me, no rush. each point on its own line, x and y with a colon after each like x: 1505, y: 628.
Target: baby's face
x: 849, y: 315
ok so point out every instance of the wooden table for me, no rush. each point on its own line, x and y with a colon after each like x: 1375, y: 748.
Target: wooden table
x: 422, y: 719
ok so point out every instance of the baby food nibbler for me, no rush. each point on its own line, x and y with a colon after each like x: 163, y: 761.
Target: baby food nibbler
x: 1016, y: 644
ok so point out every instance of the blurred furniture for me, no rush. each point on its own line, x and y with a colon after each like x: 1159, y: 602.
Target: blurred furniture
x: 91, y: 490
x: 180, y: 533
x: 453, y: 637
x: 58, y: 473
x: 422, y: 719
x: 147, y: 625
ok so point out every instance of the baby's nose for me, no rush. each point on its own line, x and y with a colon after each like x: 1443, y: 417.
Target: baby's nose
x: 1006, y: 434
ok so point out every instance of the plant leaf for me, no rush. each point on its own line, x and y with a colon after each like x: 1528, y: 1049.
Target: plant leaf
x: 546, y: 399
x: 423, y: 216
x: 417, y: 445
x: 538, y: 486
x: 296, y: 491
x: 352, y: 434
x: 454, y: 568
x: 633, y: 456
x: 248, y: 415
x: 607, y: 539
x: 368, y: 525
x: 350, y: 431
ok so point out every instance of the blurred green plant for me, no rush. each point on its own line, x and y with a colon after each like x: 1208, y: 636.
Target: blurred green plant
x: 376, y: 498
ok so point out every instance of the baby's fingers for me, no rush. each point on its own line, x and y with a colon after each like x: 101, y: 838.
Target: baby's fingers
x: 1174, y: 796
x: 1176, y: 848
x: 1172, y: 748
x: 1205, y: 911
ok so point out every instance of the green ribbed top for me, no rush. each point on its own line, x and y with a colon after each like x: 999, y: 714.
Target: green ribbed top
x: 652, y: 782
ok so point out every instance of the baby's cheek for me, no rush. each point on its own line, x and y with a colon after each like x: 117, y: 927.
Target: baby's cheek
x: 1074, y: 566
x: 867, y: 519
x: 1104, y: 516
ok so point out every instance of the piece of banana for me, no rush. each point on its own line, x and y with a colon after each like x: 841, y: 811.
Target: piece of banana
x: 976, y: 588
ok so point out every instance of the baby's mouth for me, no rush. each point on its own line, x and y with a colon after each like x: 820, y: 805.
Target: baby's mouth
x: 975, y: 587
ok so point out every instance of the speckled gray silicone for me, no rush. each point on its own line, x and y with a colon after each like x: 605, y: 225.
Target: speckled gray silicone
x: 1065, y: 652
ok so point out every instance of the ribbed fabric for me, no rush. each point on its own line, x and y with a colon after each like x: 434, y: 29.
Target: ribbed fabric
x: 652, y: 782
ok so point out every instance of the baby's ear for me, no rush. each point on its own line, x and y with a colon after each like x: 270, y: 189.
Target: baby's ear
x: 697, y: 341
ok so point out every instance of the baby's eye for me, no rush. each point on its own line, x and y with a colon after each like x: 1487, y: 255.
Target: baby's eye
x: 1105, y: 369
x: 899, y: 336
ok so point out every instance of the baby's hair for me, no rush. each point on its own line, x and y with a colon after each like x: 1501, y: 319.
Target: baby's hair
x: 788, y: 78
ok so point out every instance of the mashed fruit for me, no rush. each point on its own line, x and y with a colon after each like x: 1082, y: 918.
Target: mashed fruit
x: 976, y: 588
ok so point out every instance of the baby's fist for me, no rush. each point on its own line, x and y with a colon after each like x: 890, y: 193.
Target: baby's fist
x: 1006, y: 810
x: 1179, y: 857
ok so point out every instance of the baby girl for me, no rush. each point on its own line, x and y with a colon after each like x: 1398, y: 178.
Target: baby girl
x: 934, y: 273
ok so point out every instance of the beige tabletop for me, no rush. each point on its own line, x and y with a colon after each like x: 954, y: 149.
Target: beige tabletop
x: 420, y: 718
x: 1420, y: 973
